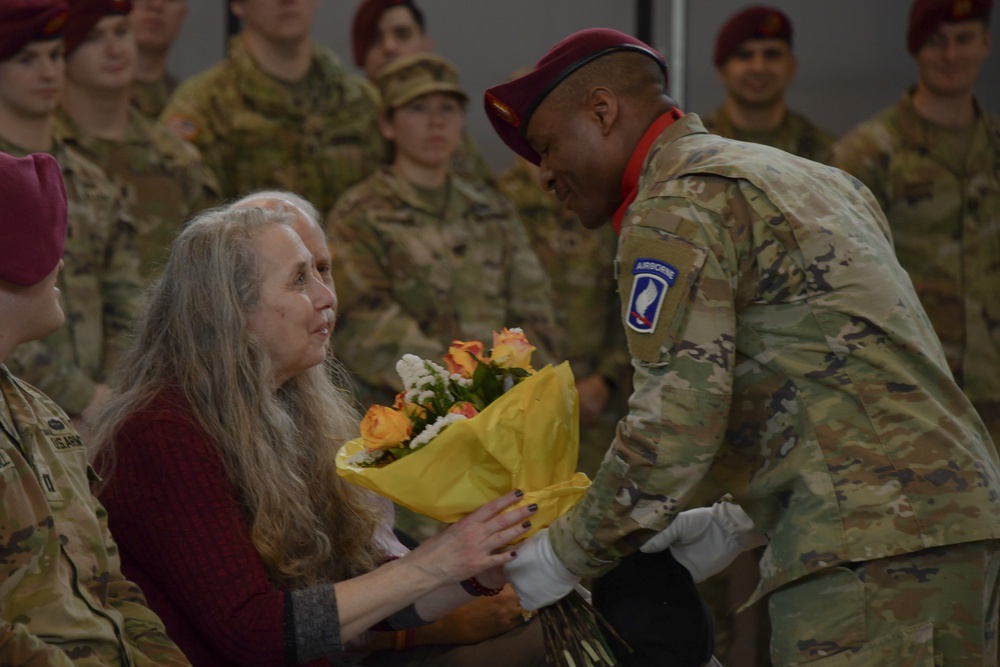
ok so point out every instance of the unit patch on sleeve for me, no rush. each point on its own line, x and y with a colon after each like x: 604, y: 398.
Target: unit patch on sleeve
x: 649, y: 287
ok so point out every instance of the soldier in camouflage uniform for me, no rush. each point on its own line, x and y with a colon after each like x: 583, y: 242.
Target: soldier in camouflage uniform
x: 100, y: 284
x: 163, y: 178
x: 156, y: 24
x: 933, y: 163
x: 63, y: 599
x: 384, y: 30
x: 264, y: 119
x: 754, y: 61
x: 778, y: 347
x: 587, y: 308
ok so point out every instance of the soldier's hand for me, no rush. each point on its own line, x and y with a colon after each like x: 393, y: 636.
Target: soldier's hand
x: 536, y: 574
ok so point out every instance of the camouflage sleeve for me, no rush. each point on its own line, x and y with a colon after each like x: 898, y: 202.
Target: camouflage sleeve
x: 530, y: 298
x: 20, y: 647
x: 373, y: 328
x: 860, y: 153
x: 121, y: 287
x: 190, y: 114
x: 614, y: 361
x: 681, y: 335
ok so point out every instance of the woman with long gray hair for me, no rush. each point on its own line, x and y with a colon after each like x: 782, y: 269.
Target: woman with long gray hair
x: 219, y: 451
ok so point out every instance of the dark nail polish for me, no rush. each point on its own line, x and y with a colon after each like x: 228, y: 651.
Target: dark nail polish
x: 526, y: 524
x: 513, y: 554
x: 533, y: 507
x: 519, y: 493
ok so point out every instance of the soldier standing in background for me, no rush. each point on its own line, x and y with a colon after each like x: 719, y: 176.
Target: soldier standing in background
x: 163, y: 178
x: 933, y: 162
x: 587, y: 307
x: 384, y: 30
x: 754, y: 61
x: 155, y: 24
x: 64, y: 599
x: 280, y: 111
x: 100, y: 284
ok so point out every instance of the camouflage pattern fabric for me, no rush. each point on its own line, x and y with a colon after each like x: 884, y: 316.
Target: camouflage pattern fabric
x: 65, y: 601
x: 469, y: 163
x: 790, y: 359
x: 945, y: 220
x: 163, y: 180
x: 796, y: 135
x: 150, y: 98
x: 315, y: 138
x: 100, y: 285
x: 411, y: 279
x: 932, y: 608
x: 579, y: 262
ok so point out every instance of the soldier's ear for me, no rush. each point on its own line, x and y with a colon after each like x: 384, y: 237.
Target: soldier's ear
x: 602, y: 108
x: 385, y: 126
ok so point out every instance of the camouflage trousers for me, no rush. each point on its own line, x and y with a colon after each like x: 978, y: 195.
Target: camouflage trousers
x: 932, y: 608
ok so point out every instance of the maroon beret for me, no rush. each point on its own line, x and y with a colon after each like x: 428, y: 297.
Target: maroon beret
x: 84, y: 15
x: 364, y: 29
x: 927, y: 15
x: 32, y: 218
x: 23, y: 21
x: 509, y: 105
x: 757, y: 22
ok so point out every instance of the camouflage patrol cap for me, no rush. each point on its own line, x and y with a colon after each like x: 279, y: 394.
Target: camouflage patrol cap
x: 24, y: 21
x: 509, y: 106
x: 406, y: 79
x: 84, y: 15
x: 756, y: 22
x: 927, y: 15
x: 32, y: 219
x: 364, y: 28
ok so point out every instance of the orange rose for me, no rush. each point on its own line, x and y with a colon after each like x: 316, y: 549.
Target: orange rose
x: 385, y: 428
x: 464, y: 356
x: 464, y: 408
x: 511, y: 349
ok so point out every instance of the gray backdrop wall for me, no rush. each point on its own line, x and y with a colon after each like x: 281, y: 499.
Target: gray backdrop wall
x: 852, y: 54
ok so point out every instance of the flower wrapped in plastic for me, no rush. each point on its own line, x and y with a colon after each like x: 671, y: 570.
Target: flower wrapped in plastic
x: 464, y: 433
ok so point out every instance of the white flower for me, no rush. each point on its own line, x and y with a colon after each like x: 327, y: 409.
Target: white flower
x: 432, y: 430
x: 364, y: 457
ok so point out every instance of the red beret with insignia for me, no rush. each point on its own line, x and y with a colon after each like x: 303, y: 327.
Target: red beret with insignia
x: 24, y: 21
x: 927, y: 15
x: 32, y: 218
x: 84, y: 15
x: 509, y: 105
x: 364, y: 28
x: 757, y: 22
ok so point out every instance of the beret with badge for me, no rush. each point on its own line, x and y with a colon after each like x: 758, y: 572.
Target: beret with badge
x: 84, y: 15
x: 364, y: 27
x: 757, y: 22
x: 32, y: 218
x: 24, y: 21
x: 510, y: 105
x: 927, y: 15
x: 406, y: 79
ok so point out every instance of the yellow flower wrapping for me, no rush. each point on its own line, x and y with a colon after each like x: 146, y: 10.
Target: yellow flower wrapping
x: 527, y: 439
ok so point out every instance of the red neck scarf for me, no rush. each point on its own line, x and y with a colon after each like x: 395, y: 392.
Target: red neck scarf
x: 630, y: 180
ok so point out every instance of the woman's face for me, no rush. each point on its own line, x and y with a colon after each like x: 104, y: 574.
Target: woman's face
x: 291, y: 317
x: 427, y: 130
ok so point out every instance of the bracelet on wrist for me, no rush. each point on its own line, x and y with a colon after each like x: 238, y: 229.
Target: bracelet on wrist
x: 473, y: 587
x: 403, y: 639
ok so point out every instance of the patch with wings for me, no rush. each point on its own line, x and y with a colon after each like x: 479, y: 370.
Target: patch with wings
x: 649, y: 288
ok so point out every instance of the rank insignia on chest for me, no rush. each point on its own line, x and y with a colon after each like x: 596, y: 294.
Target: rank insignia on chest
x: 649, y: 288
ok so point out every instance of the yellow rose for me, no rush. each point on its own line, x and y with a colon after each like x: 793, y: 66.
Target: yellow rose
x: 511, y: 349
x: 409, y: 409
x: 464, y: 408
x: 464, y: 356
x: 385, y: 428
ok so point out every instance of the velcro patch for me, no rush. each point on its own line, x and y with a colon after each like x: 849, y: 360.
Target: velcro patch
x: 649, y: 287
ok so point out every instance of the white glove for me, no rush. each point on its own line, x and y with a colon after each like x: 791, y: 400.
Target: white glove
x: 707, y: 539
x: 537, y: 575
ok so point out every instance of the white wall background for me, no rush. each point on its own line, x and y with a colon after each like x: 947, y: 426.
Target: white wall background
x: 852, y: 53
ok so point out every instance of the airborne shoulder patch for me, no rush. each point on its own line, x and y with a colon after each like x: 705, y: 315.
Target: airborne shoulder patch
x: 652, y: 279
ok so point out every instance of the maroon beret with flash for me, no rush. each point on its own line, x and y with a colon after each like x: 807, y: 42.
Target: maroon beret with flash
x: 364, y: 28
x: 509, y: 105
x: 84, y: 15
x: 927, y: 15
x: 32, y: 218
x: 24, y: 21
x: 757, y: 22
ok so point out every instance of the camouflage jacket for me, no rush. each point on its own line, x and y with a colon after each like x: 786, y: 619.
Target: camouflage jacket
x: 579, y: 264
x: 779, y: 347
x: 162, y: 178
x: 796, y: 135
x: 64, y: 599
x: 150, y: 99
x: 255, y: 133
x: 411, y: 280
x: 946, y: 229
x: 100, y: 287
